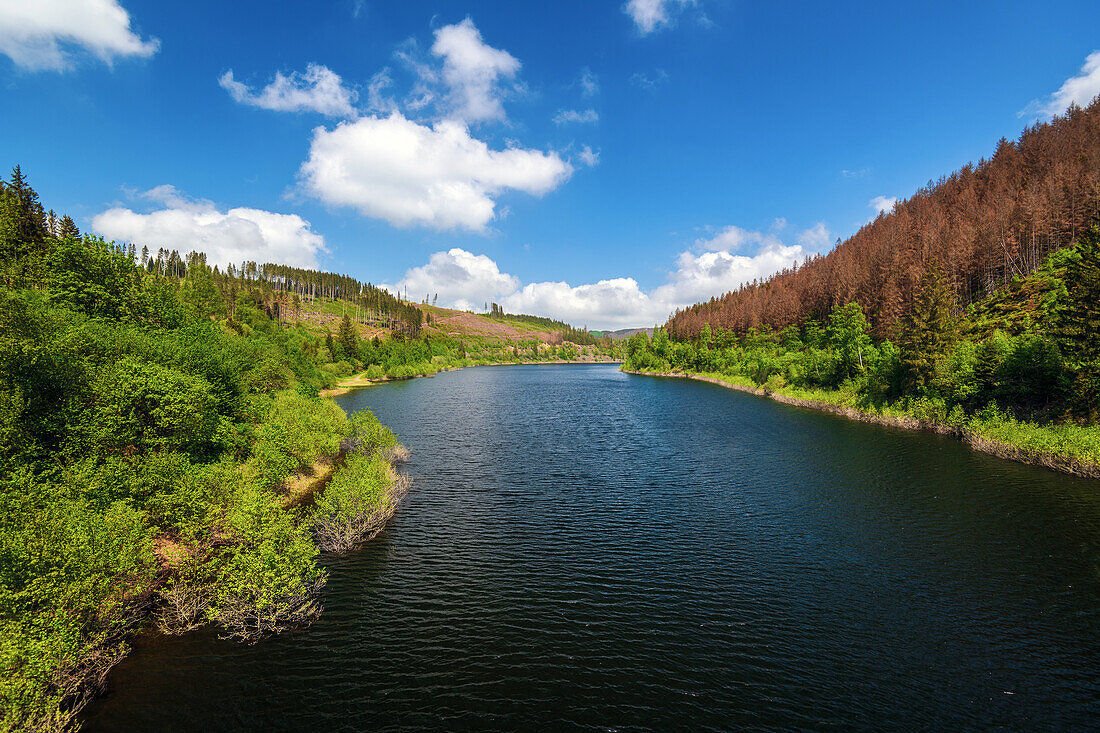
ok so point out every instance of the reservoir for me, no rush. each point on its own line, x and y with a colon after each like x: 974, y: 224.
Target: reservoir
x: 586, y: 549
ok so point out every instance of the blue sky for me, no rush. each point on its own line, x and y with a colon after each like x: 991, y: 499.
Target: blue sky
x: 599, y: 162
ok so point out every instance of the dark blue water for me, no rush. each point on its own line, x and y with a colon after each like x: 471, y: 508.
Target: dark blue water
x: 588, y: 549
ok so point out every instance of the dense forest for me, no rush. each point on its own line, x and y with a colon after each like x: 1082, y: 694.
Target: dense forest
x: 1019, y: 368
x: 159, y: 427
x: 983, y: 226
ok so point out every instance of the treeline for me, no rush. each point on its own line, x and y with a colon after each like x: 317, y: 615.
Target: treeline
x: 403, y: 356
x: 1024, y: 358
x: 150, y: 422
x: 281, y: 289
x: 983, y: 225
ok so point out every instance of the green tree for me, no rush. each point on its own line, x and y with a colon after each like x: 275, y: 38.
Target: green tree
x: 330, y: 344
x: 928, y: 332
x: 95, y: 277
x: 68, y: 228
x: 349, y: 339
x: 847, y: 335
x: 1078, y: 322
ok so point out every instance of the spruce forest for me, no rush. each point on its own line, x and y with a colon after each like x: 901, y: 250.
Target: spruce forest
x: 985, y: 226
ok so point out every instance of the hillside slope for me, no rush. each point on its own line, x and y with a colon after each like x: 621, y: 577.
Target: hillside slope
x: 983, y: 225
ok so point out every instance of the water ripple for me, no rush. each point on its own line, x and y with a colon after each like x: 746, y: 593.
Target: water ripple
x: 589, y: 550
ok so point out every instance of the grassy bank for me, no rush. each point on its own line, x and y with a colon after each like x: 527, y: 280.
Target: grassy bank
x: 1069, y: 448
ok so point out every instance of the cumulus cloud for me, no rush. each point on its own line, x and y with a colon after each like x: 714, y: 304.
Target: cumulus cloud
x: 473, y: 71
x: 467, y: 281
x: 37, y: 34
x: 319, y: 89
x: 409, y: 174
x: 701, y: 276
x: 236, y: 235
x: 649, y: 15
x: 576, y: 117
x: 464, y: 280
x: 816, y: 237
x: 733, y: 238
x: 617, y: 302
x: 1079, y: 90
x: 882, y: 205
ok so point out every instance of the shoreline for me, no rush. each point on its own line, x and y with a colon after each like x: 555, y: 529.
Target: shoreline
x: 973, y: 439
x: 347, y: 384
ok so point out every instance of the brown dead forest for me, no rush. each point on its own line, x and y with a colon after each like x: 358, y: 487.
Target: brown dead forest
x: 983, y: 224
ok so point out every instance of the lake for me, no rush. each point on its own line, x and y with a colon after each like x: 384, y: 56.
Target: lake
x: 588, y: 549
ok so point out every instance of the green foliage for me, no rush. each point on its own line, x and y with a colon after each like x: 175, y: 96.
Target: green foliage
x: 96, y: 278
x: 847, y: 336
x: 160, y: 403
x: 935, y: 373
x: 1079, y: 322
x: 267, y: 578
x: 359, y: 487
x: 928, y: 332
x: 349, y: 339
x: 371, y: 435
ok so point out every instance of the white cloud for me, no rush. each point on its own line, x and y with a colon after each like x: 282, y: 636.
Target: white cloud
x: 377, y: 101
x: 779, y: 224
x: 856, y: 173
x: 590, y: 83
x: 703, y: 276
x: 578, y: 117
x: 236, y: 235
x: 589, y: 157
x: 1079, y: 90
x: 733, y: 238
x: 649, y: 15
x: 319, y: 89
x: 410, y: 174
x: 613, y: 303
x: 816, y: 237
x: 35, y: 33
x: 465, y: 280
x: 462, y: 279
x: 882, y: 205
x: 472, y: 70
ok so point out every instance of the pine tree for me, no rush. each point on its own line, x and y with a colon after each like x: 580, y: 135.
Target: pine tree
x: 68, y: 228
x: 1078, y: 322
x: 349, y: 340
x: 929, y: 331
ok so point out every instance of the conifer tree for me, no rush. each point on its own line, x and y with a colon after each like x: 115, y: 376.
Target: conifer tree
x: 330, y: 344
x: 928, y: 332
x: 349, y: 340
x: 1078, y: 328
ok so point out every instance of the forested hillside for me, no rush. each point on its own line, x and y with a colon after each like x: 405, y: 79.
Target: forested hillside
x: 983, y: 226
x: 160, y: 440
x: 1016, y: 373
